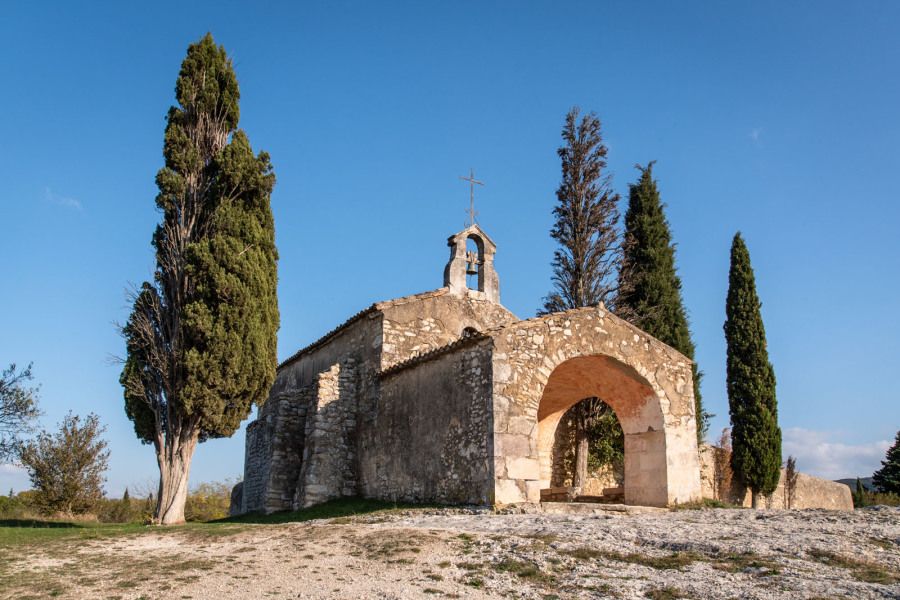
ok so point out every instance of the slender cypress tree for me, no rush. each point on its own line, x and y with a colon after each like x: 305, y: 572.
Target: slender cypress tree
x: 887, y: 478
x: 201, y: 338
x: 750, y: 380
x: 860, y: 498
x: 584, y: 266
x: 649, y: 286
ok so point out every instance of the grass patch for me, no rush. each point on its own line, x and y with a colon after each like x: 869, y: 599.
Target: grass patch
x: 524, y: 569
x: 702, y: 504
x: 667, y: 593
x: 735, y: 563
x: 676, y: 560
x: 868, y: 572
x: 336, y: 509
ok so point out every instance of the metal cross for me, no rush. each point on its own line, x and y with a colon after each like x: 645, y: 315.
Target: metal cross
x: 472, y: 212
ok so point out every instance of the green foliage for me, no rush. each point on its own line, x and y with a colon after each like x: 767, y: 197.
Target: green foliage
x: 649, y: 286
x: 586, y: 215
x: 66, y: 468
x: 887, y: 478
x: 232, y: 320
x: 607, y: 442
x: 860, y: 497
x: 201, y: 339
x: 208, y: 501
x: 750, y: 381
x: 18, y: 409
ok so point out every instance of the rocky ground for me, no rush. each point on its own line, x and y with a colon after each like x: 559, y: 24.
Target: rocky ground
x: 702, y: 554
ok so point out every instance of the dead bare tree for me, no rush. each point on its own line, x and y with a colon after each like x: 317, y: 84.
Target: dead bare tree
x: 722, y: 473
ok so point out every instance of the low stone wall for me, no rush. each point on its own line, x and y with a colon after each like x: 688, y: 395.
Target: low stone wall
x: 810, y: 492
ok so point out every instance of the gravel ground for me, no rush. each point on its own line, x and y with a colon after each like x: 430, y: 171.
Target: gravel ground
x: 459, y: 553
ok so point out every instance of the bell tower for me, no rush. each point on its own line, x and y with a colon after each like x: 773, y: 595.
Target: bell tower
x: 480, y: 263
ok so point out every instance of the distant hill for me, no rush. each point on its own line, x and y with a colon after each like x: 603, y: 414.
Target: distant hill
x: 851, y: 483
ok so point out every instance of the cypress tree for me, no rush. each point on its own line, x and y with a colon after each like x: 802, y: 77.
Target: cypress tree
x: 750, y: 380
x: 887, y: 478
x: 584, y: 266
x: 649, y: 286
x: 201, y: 338
x: 860, y: 498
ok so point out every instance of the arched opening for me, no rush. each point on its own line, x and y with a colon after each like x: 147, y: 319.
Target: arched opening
x: 638, y: 411
x: 604, y: 444
x: 475, y: 263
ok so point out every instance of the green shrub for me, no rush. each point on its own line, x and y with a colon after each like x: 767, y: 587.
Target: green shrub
x: 208, y: 501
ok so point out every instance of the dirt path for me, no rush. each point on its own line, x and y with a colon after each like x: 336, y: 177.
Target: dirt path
x: 710, y: 554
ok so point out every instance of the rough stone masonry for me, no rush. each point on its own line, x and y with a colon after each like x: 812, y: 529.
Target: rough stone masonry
x: 448, y: 397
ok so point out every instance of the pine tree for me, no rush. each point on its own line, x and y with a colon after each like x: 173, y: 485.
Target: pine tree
x: 649, y: 286
x: 750, y: 381
x: 201, y: 338
x: 887, y: 478
x: 585, y: 265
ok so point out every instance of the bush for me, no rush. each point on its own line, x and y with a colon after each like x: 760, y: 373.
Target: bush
x: 66, y: 468
x: 208, y: 501
x: 867, y: 498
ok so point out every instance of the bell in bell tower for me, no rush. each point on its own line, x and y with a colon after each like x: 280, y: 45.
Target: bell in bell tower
x: 479, y: 264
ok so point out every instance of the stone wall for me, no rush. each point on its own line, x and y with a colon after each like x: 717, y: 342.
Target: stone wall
x: 810, y: 492
x: 429, y: 441
x: 435, y: 320
x: 329, y: 455
x: 274, y: 450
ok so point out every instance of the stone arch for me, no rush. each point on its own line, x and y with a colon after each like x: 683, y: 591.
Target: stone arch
x: 544, y: 365
x: 636, y: 407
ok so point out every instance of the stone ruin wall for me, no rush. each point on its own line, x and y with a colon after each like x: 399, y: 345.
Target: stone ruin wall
x: 810, y: 492
x: 429, y: 443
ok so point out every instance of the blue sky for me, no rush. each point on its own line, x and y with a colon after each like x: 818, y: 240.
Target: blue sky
x: 778, y: 119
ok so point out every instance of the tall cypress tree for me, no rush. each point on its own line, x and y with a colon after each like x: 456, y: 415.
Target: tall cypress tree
x: 649, y: 286
x: 584, y: 265
x: 201, y: 338
x: 887, y: 478
x: 750, y: 380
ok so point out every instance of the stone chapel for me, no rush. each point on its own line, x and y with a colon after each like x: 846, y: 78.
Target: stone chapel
x: 448, y: 397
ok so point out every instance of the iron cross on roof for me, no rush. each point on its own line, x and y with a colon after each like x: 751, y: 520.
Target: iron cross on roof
x: 472, y: 212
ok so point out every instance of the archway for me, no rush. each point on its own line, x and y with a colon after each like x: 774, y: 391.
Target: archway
x: 637, y: 408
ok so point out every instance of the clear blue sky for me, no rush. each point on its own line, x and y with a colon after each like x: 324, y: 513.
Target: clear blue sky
x: 778, y: 119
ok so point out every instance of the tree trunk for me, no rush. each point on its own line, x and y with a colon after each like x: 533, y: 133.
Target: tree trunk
x: 579, y: 477
x: 174, y: 468
x: 754, y: 498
